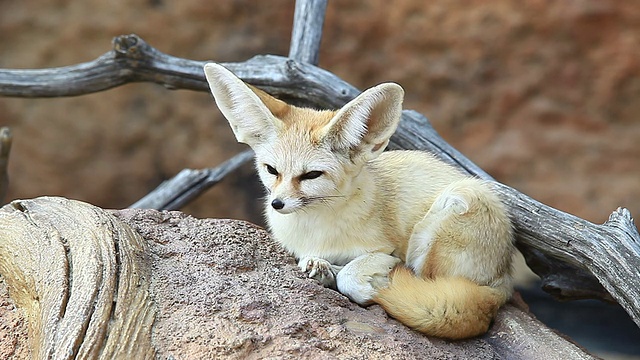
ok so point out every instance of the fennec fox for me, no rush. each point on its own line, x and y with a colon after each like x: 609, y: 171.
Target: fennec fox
x: 401, y: 229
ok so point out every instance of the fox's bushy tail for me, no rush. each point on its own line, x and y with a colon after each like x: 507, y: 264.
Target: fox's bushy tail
x: 447, y: 307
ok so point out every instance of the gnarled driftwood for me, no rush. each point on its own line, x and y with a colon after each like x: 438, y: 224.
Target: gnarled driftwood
x: 80, y: 276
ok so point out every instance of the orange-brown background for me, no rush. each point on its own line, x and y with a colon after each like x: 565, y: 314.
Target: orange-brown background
x: 541, y: 94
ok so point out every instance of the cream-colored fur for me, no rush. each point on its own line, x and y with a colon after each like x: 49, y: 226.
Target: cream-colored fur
x: 350, y: 212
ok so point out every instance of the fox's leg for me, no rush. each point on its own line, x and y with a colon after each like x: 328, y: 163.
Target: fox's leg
x: 320, y: 269
x: 467, y: 233
x: 425, y: 232
x: 361, y: 278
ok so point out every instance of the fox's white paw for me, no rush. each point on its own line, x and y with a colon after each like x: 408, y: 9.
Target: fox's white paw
x: 319, y: 269
x: 361, y: 279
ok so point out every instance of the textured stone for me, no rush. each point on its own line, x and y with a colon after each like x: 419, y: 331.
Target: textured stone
x: 14, y: 342
x: 224, y: 289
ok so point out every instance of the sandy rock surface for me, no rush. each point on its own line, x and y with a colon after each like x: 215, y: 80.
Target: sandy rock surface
x: 224, y: 289
x: 14, y: 342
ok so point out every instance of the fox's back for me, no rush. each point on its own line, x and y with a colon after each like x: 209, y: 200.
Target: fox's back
x: 407, y: 183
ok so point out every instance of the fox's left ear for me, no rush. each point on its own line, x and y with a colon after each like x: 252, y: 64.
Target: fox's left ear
x: 363, y: 126
x: 251, y: 112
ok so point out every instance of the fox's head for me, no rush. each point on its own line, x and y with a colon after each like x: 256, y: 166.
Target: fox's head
x: 307, y: 157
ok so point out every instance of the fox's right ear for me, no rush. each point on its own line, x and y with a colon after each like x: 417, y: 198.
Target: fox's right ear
x: 250, y: 113
x: 364, y: 125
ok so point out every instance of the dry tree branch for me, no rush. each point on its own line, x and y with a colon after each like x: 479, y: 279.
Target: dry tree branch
x: 188, y: 184
x: 5, y: 149
x: 307, y: 31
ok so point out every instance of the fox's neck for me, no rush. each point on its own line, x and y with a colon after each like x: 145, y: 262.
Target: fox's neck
x: 357, y: 193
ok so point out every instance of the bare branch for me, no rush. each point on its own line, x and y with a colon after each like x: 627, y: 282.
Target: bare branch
x: 307, y: 30
x: 133, y: 60
x: 188, y: 184
x: 5, y: 149
x: 130, y: 60
x: 564, y: 281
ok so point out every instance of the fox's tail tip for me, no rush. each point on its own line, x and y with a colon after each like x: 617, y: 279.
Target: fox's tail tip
x: 452, y: 308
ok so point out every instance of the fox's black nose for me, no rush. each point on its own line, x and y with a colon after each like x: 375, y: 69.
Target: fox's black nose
x: 277, y: 204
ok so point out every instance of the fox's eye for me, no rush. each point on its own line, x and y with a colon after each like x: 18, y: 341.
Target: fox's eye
x: 310, y: 175
x: 271, y: 170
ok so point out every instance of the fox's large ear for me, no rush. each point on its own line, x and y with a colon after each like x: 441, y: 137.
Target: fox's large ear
x: 249, y: 112
x: 363, y: 126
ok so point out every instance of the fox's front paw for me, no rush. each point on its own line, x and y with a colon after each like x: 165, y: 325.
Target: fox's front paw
x: 319, y: 269
x: 361, y: 279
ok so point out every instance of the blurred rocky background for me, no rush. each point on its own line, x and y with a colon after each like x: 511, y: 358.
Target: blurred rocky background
x: 544, y: 95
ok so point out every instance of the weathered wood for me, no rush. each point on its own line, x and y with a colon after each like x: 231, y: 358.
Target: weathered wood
x: 188, y: 184
x: 561, y: 280
x: 610, y: 251
x: 81, y: 277
x: 133, y: 60
x: 516, y: 335
x: 308, y: 19
x: 130, y: 60
x: 5, y: 149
